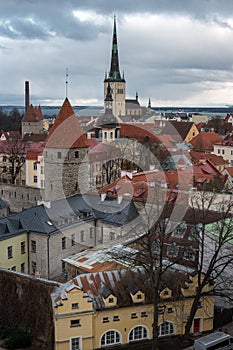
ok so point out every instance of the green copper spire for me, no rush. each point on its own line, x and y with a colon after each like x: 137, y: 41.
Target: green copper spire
x: 114, y: 73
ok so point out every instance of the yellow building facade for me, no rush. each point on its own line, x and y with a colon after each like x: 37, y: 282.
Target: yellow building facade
x: 35, y: 170
x: 14, y: 252
x: 89, y: 316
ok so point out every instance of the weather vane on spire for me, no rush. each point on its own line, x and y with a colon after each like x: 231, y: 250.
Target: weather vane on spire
x: 67, y: 77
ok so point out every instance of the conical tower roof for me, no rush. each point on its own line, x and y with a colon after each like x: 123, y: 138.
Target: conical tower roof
x: 114, y: 74
x: 33, y: 114
x: 66, y: 132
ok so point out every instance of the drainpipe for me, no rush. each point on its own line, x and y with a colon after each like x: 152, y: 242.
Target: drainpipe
x: 48, y: 264
x: 28, y: 251
x: 95, y: 228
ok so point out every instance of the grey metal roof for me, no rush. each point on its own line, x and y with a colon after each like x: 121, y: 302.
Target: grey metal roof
x: 46, y: 220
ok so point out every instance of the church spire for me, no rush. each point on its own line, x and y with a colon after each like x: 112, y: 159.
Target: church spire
x: 114, y: 73
x: 149, y: 103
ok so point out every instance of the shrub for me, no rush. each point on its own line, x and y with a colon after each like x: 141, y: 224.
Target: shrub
x: 16, y: 338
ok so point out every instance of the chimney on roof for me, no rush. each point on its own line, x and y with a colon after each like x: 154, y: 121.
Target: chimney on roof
x: 27, y: 102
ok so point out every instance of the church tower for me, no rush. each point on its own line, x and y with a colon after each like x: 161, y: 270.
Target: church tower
x: 116, y: 82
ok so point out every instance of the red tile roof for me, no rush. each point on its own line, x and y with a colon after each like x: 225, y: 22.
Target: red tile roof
x: 215, y: 160
x: 66, y: 132
x: 123, y: 284
x: 32, y: 155
x: 33, y: 114
x: 139, y: 131
x: 204, y: 142
x: 142, y: 185
x: 230, y: 170
x: 104, y: 152
x: 34, y: 137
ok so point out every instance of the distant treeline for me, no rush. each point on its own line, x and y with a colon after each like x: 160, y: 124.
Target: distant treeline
x: 11, y: 121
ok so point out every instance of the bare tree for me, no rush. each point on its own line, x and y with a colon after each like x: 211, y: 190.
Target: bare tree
x: 151, y: 243
x: 14, y: 152
x: 215, y: 261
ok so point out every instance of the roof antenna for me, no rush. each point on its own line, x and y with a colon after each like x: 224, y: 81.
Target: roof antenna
x: 67, y: 77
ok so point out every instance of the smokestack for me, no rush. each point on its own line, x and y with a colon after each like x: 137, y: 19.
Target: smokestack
x: 26, y: 96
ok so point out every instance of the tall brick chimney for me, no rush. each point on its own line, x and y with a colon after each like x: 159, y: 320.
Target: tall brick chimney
x: 26, y: 95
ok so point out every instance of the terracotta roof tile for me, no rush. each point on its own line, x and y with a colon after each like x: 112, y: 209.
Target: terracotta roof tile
x: 32, y: 155
x: 66, y: 132
x: 33, y: 114
x: 204, y: 141
x: 230, y: 170
x: 198, y: 157
x: 139, y: 131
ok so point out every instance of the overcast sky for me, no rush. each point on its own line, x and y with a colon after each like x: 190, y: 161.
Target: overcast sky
x: 177, y: 52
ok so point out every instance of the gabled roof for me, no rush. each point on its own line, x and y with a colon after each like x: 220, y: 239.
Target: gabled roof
x: 204, y: 142
x: 34, y: 137
x: 139, y: 131
x: 176, y: 128
x: 66, y: 132
x: 132, y: 103
x: 122, y: 284
x: 215, y: 160
x: 228, y: 116
x: 230, y: 170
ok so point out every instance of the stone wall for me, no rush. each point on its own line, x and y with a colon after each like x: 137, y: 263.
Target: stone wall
x: 32, y: 127
x: 66, y: 172
x: 25, y: 303
x: 20, y: 197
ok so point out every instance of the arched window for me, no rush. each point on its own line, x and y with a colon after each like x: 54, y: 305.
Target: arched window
x: 110, y: 338
x: 166, y: 328
x: 111, y: 135
x: 138, y: 333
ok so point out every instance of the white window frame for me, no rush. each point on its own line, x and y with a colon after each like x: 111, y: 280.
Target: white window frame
x: 80, y: 338
x: 109, y: 344
x: 138, y: 339
x: 169, y: 333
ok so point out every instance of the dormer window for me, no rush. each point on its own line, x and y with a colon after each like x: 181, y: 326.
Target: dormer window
x: 110, y: 301
x: 189, y: 254
x: 173, y: 250
x: 195, y: 232
x: 156, y: 247
x: 179, y: 230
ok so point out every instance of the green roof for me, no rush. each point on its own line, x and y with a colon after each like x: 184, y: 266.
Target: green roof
x: 222, y: 228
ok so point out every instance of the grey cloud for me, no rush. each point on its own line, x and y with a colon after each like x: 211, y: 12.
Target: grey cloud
x: 221, y: 23
x: 57, y: 16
